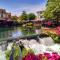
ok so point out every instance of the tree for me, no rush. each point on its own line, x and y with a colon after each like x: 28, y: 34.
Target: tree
x: 52, y: 7
x: 23, y: 17
x: 57, y: 14
x: 14, y: 18
x: 31, y: 16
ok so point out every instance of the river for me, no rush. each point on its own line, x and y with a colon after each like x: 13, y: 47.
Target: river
x: 6, y: 32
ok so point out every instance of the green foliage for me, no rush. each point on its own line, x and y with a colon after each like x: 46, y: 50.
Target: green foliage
x: 30, y: 51
x: 16, y: 52
x: 8, y: 53
x: 23, y: 17
x: 57, y: 13
x: 24, y: 52
x: 29, y: 25
x: 52, y: 7
x: 55, y: 37
x: 28, y: 30
x: 31, y: 16
x: 14, y: 18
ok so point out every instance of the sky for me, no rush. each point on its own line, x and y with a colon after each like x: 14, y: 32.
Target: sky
x: 17, y: 6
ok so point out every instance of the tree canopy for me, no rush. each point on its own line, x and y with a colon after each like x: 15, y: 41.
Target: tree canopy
x: 31, y: 16
x: 14, y: 18
x: 52, y: 9
x: 23, y: 16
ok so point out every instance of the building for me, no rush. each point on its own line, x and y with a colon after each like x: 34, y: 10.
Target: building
x: 40, y: 15
x: 4, y: 15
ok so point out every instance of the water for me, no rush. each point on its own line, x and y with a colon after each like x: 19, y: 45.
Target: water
x: 20, y: 31
x: 16, y: 31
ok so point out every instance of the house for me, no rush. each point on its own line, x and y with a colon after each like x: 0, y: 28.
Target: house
x: 40, y: 15
x: 4, y: 15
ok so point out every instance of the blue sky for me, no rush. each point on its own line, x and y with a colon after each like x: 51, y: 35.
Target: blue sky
x: 17, y: 6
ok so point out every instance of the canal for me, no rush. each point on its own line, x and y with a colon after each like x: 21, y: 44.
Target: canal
x: 6, y: 32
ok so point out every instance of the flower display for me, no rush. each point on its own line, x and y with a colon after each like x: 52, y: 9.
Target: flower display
x: 45, y: 56
x: 58, y: 30
x: 53, y: 31
x: 28, y: 54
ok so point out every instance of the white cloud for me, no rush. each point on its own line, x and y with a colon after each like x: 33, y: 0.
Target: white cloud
x: 28, y: 9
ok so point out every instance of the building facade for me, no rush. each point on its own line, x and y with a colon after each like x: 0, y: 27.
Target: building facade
x: 4, y: 15
x: 40, y: 15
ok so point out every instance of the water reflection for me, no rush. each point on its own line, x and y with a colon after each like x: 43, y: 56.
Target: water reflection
x: 38, y: 31
x: 16, y: 34
x: 16, y: 31
x: 27, y: 31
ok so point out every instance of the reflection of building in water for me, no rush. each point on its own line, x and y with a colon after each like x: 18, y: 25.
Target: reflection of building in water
x: 38, y: 31
x: 4, y: 15
x: 40, y: 15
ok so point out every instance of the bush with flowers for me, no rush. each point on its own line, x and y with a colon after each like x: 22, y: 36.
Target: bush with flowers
x: 15, y: 53
x: 54, y: 33
x: 52, y: 30
x: 45, y: 56
x: 28, y: 54
x: 55, y: 37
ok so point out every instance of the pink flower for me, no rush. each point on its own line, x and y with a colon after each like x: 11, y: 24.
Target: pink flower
x: 58, y: 30
x: 40, y: 56
x: 46, y: 56
x: 30, y: 56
